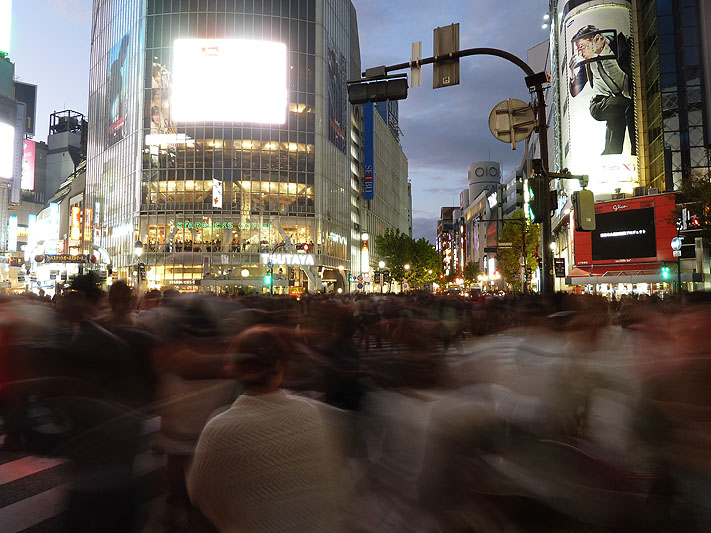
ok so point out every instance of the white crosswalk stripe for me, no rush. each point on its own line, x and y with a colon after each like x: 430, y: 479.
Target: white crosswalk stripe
x: 22, y: 475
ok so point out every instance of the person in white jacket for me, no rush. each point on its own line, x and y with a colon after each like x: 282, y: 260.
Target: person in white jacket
x: 265, y: 465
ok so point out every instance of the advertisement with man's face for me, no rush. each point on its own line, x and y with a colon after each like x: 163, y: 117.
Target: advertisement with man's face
x: 336, y: 98
x: 600, y: 137
x: 117, y: 91
x: 160, y: 100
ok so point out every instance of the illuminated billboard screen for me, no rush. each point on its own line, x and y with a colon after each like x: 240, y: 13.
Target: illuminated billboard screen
x: 597, y: 112
x: 626, y: 234
x: 28, y: 165
x: 7, y: 150
x: 117, y: 91
x: 229, y: 80
x: 161, y: 124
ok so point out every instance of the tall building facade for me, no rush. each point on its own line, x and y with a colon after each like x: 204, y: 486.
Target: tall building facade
x: 674, y: 67
x: 387, y: 196
x: 222, y: 175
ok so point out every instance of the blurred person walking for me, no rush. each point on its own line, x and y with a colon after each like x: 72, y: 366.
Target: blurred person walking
x: 265, y: 465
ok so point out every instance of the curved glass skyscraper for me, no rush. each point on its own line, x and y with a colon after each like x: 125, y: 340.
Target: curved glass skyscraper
x: 221, y: 139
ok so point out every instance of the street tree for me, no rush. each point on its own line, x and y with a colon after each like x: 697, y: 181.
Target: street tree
x: 509, y: 259
x: 471, y: 271
x: 398, y: 249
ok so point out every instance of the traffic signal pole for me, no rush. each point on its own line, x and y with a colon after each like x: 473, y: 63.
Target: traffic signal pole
x: 535, y: 83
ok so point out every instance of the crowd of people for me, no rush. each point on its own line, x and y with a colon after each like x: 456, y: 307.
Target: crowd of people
x: 360, y: 413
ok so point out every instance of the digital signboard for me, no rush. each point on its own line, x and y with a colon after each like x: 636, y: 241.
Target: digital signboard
x: 7, y: 151
x: 229, y: 80
x: 28, y: 164
x: 625, y: 234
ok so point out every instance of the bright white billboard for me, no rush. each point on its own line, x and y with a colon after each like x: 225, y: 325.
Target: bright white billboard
x: 598, y: 131
x: 7, y: 151
x: 229, y: 80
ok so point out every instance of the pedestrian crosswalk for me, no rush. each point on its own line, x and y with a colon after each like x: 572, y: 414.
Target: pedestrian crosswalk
x: 33, y: 488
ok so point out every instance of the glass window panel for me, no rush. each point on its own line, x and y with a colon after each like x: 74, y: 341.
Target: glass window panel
x: 691, y: 55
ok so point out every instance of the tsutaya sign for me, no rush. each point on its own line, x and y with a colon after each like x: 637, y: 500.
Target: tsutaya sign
x: 288, y: 259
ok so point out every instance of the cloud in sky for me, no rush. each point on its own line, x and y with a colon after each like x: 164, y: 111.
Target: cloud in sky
x: 444, y: 130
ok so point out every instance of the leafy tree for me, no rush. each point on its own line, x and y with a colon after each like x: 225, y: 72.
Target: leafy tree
x: 508, y: 259
x: 425, y: 264
x: 471, y: 271
x: 397, y: 249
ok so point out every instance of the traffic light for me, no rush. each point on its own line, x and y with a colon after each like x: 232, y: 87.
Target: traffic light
x: 666, y: 273
x: 584, y: 210
x: 537, y: 187
x: 377, y: 91
x: 268, y: 279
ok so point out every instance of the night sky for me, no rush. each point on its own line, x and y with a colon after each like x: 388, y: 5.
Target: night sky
x: 444, y: 129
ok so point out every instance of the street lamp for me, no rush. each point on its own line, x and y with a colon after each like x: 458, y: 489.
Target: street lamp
x: 381, y: 273
x: 138, y: 250
x: 245, y: 273
x: 407, y: 266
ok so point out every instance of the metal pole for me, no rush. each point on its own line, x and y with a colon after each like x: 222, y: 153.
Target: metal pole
x: 678, y: 262
x: 547, y: 259
x: 524, y: 281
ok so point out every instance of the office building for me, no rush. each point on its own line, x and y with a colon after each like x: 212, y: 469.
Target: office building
x: 221, y: 181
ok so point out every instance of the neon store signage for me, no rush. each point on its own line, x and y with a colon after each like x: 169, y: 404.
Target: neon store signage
x: 189, y: 224
x: 287, y: 259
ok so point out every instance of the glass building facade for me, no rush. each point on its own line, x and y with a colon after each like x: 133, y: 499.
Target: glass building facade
x: 673, y: 61
x: 208, y: 200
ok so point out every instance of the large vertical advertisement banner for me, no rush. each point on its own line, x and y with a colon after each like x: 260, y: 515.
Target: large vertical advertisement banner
x: 28, y: 165
x: 117, y: 91
x: 160, y: 100
x: 368, y: 151
x: 336, y: 98
x: 600, y: 138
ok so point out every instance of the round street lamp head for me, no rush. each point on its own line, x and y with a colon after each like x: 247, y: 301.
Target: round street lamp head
x: 138, y: 248
x: 364, y: 236
x: 381, y: 264
x: 245, y: 273
x: 429, y: 272
x: 407, y: 266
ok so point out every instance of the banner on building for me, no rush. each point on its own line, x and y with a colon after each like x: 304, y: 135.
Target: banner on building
x: 216, y: 193
x: 117, y: 76
x: 28, y: 165
x: 598, y: 130
x: 368, y: 151
x: 27, y: 94
x: 75, y: 224
x: 12, y: 233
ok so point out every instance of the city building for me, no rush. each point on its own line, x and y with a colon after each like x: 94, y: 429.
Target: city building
x: 66, y: 148
x: 223, y: 183
x: 445, y: 243
x: 387, y: 192
x: 650, y: 58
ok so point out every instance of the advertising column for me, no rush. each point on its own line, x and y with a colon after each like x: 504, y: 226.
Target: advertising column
x: 598, y: 133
